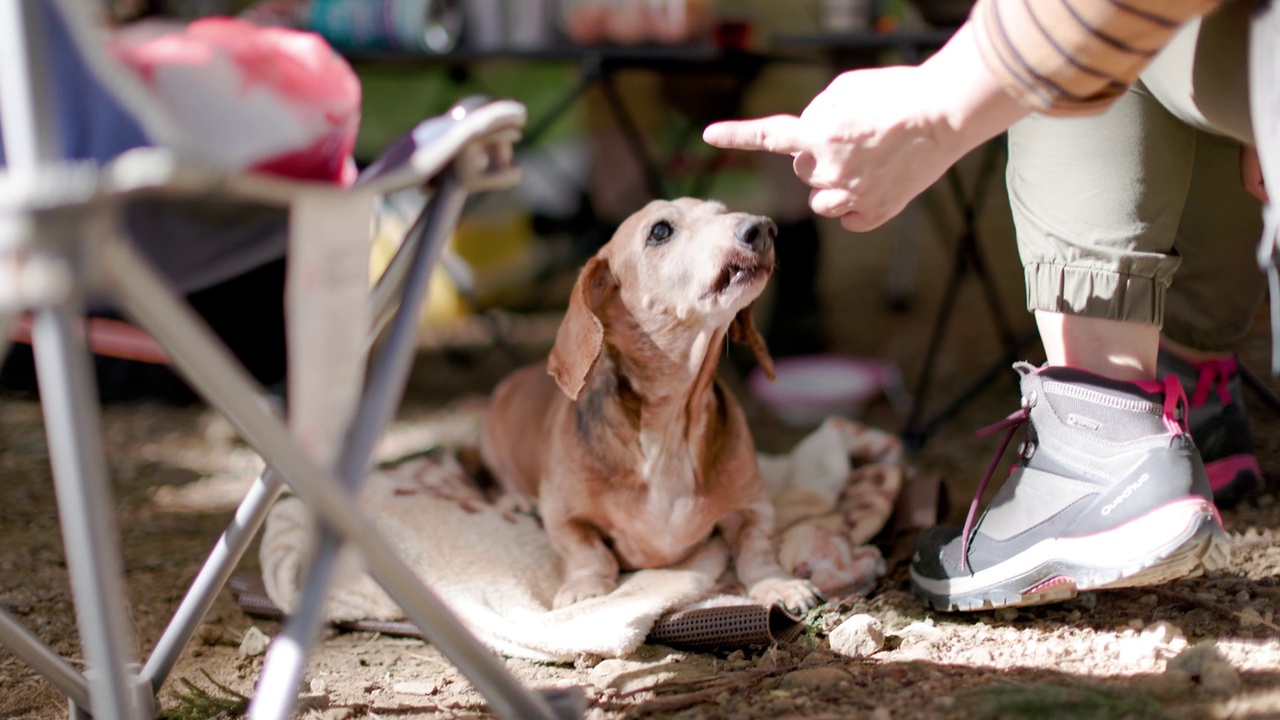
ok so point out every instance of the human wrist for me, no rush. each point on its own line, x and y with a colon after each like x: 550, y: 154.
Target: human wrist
x: 971, y: 102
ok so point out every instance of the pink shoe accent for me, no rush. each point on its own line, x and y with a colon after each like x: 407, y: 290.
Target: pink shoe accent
x: 1213, y: 373
x: 1223, y: 472
x: 1175, y: 401
x: 1051, y: 583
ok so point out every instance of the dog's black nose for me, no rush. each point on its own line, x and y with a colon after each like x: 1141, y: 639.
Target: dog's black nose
x: 757, y: 233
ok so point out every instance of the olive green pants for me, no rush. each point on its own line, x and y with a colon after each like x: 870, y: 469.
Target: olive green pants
x: 1139, y: 214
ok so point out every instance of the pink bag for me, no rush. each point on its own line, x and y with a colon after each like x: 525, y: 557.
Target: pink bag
x: 266, y: 99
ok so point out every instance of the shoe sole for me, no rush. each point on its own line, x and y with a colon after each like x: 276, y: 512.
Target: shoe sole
x: 1058, y: 569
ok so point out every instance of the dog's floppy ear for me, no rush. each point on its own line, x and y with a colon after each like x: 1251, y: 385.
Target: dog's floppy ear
x: 743, y: 330
x: 580, y: 338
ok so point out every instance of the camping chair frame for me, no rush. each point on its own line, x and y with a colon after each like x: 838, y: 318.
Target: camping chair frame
x: 61, y: 221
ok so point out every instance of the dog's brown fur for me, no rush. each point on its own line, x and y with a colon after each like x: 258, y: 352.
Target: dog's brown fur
x: 633, y: 451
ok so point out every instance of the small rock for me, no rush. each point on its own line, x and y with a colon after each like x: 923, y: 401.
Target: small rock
x: 859, y: 636
x: 604, y: 672
x: 254, y: 642
x: 881, y: 713
x: 1164, y: 638
x: 818, y: 678
x: 208, y: 634
x: 770, y: 658
x: 1196, y: 658
x: 921, y: 628
x: 627, y: 675
x: 1168, y: 685
x: 1137, y: 624
x: 1242, y: 597
x: 312, y: 702
x: 415, y: 687
x: 1205, y: 665
x: 318, y: 685
x: 1220, y: 680
x: 1250, y: 617
x: 1149, y: 599
x: 1007, y: 614
x: 818, y: 658
x: 780, y: 705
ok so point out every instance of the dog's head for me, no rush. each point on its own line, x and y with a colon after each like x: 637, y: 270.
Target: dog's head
x: 688, y: 264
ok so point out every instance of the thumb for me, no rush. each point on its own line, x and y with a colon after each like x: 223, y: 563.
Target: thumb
x: 778, y: 133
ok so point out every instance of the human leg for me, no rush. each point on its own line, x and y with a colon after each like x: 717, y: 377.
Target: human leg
x: 1176, y: 182
x: 1210, y: 307
x: 1108, y: 490
x: 1201, y: 80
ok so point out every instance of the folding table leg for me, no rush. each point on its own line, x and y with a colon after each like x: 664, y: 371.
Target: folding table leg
x: 86, y: 507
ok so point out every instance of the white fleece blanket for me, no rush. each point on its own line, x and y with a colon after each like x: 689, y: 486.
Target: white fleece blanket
x: 833, y: 493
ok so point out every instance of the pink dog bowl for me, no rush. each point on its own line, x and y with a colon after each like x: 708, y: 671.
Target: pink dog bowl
x: 811, y: 388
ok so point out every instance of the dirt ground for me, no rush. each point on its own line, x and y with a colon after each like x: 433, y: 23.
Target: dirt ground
x: 1199, y: 648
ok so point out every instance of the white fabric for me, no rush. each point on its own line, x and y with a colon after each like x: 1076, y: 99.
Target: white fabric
x: 499, y: 576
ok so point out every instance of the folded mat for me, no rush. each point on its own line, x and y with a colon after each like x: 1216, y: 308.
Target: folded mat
x: 833, y: 492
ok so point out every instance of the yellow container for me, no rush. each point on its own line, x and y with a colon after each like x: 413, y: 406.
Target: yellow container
x: 498, y: 249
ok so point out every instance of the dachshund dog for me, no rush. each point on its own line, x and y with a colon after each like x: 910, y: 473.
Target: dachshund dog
x: 631, y: 448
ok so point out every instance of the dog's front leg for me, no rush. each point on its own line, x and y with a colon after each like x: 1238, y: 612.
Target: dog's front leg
x: 750, y: 534
x: 590, y: 567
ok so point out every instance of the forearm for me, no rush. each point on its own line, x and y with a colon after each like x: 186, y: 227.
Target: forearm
x: 1074, y: 56
x: 975, y: 105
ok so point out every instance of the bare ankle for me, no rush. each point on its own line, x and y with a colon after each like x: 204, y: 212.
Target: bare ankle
x: 1111, y: 348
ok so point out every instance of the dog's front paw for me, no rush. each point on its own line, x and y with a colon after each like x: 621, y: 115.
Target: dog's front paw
x: 797, y: 596
x: 584, y: 588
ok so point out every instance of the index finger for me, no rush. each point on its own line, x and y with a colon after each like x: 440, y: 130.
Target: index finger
x: 777, y: 133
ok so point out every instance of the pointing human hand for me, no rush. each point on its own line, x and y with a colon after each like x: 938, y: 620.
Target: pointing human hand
x: 780, y: 134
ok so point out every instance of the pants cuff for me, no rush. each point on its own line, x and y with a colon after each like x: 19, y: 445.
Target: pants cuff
x: 1097, y: 293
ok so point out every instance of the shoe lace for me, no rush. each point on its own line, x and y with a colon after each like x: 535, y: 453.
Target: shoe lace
x: 1175, y: 402
x: 1173, y: 415
x: 1010, y: 425
x: 1213, y: 373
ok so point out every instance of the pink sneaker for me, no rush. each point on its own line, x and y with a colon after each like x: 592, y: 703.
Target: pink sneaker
x: 1219, y: 425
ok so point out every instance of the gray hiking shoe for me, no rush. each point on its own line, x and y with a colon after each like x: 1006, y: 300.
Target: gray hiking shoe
x: 1219, y: 424
x: 1108, y: 491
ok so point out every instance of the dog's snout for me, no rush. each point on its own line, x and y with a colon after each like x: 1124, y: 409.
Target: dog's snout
x: 757, y: 233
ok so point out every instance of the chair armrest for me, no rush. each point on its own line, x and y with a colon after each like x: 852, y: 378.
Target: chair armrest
x: 434, y: 143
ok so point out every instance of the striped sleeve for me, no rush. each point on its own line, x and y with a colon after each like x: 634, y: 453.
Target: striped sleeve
x: 1068, y: 57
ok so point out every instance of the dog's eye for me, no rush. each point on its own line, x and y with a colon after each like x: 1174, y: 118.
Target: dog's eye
x: 660, y: 233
